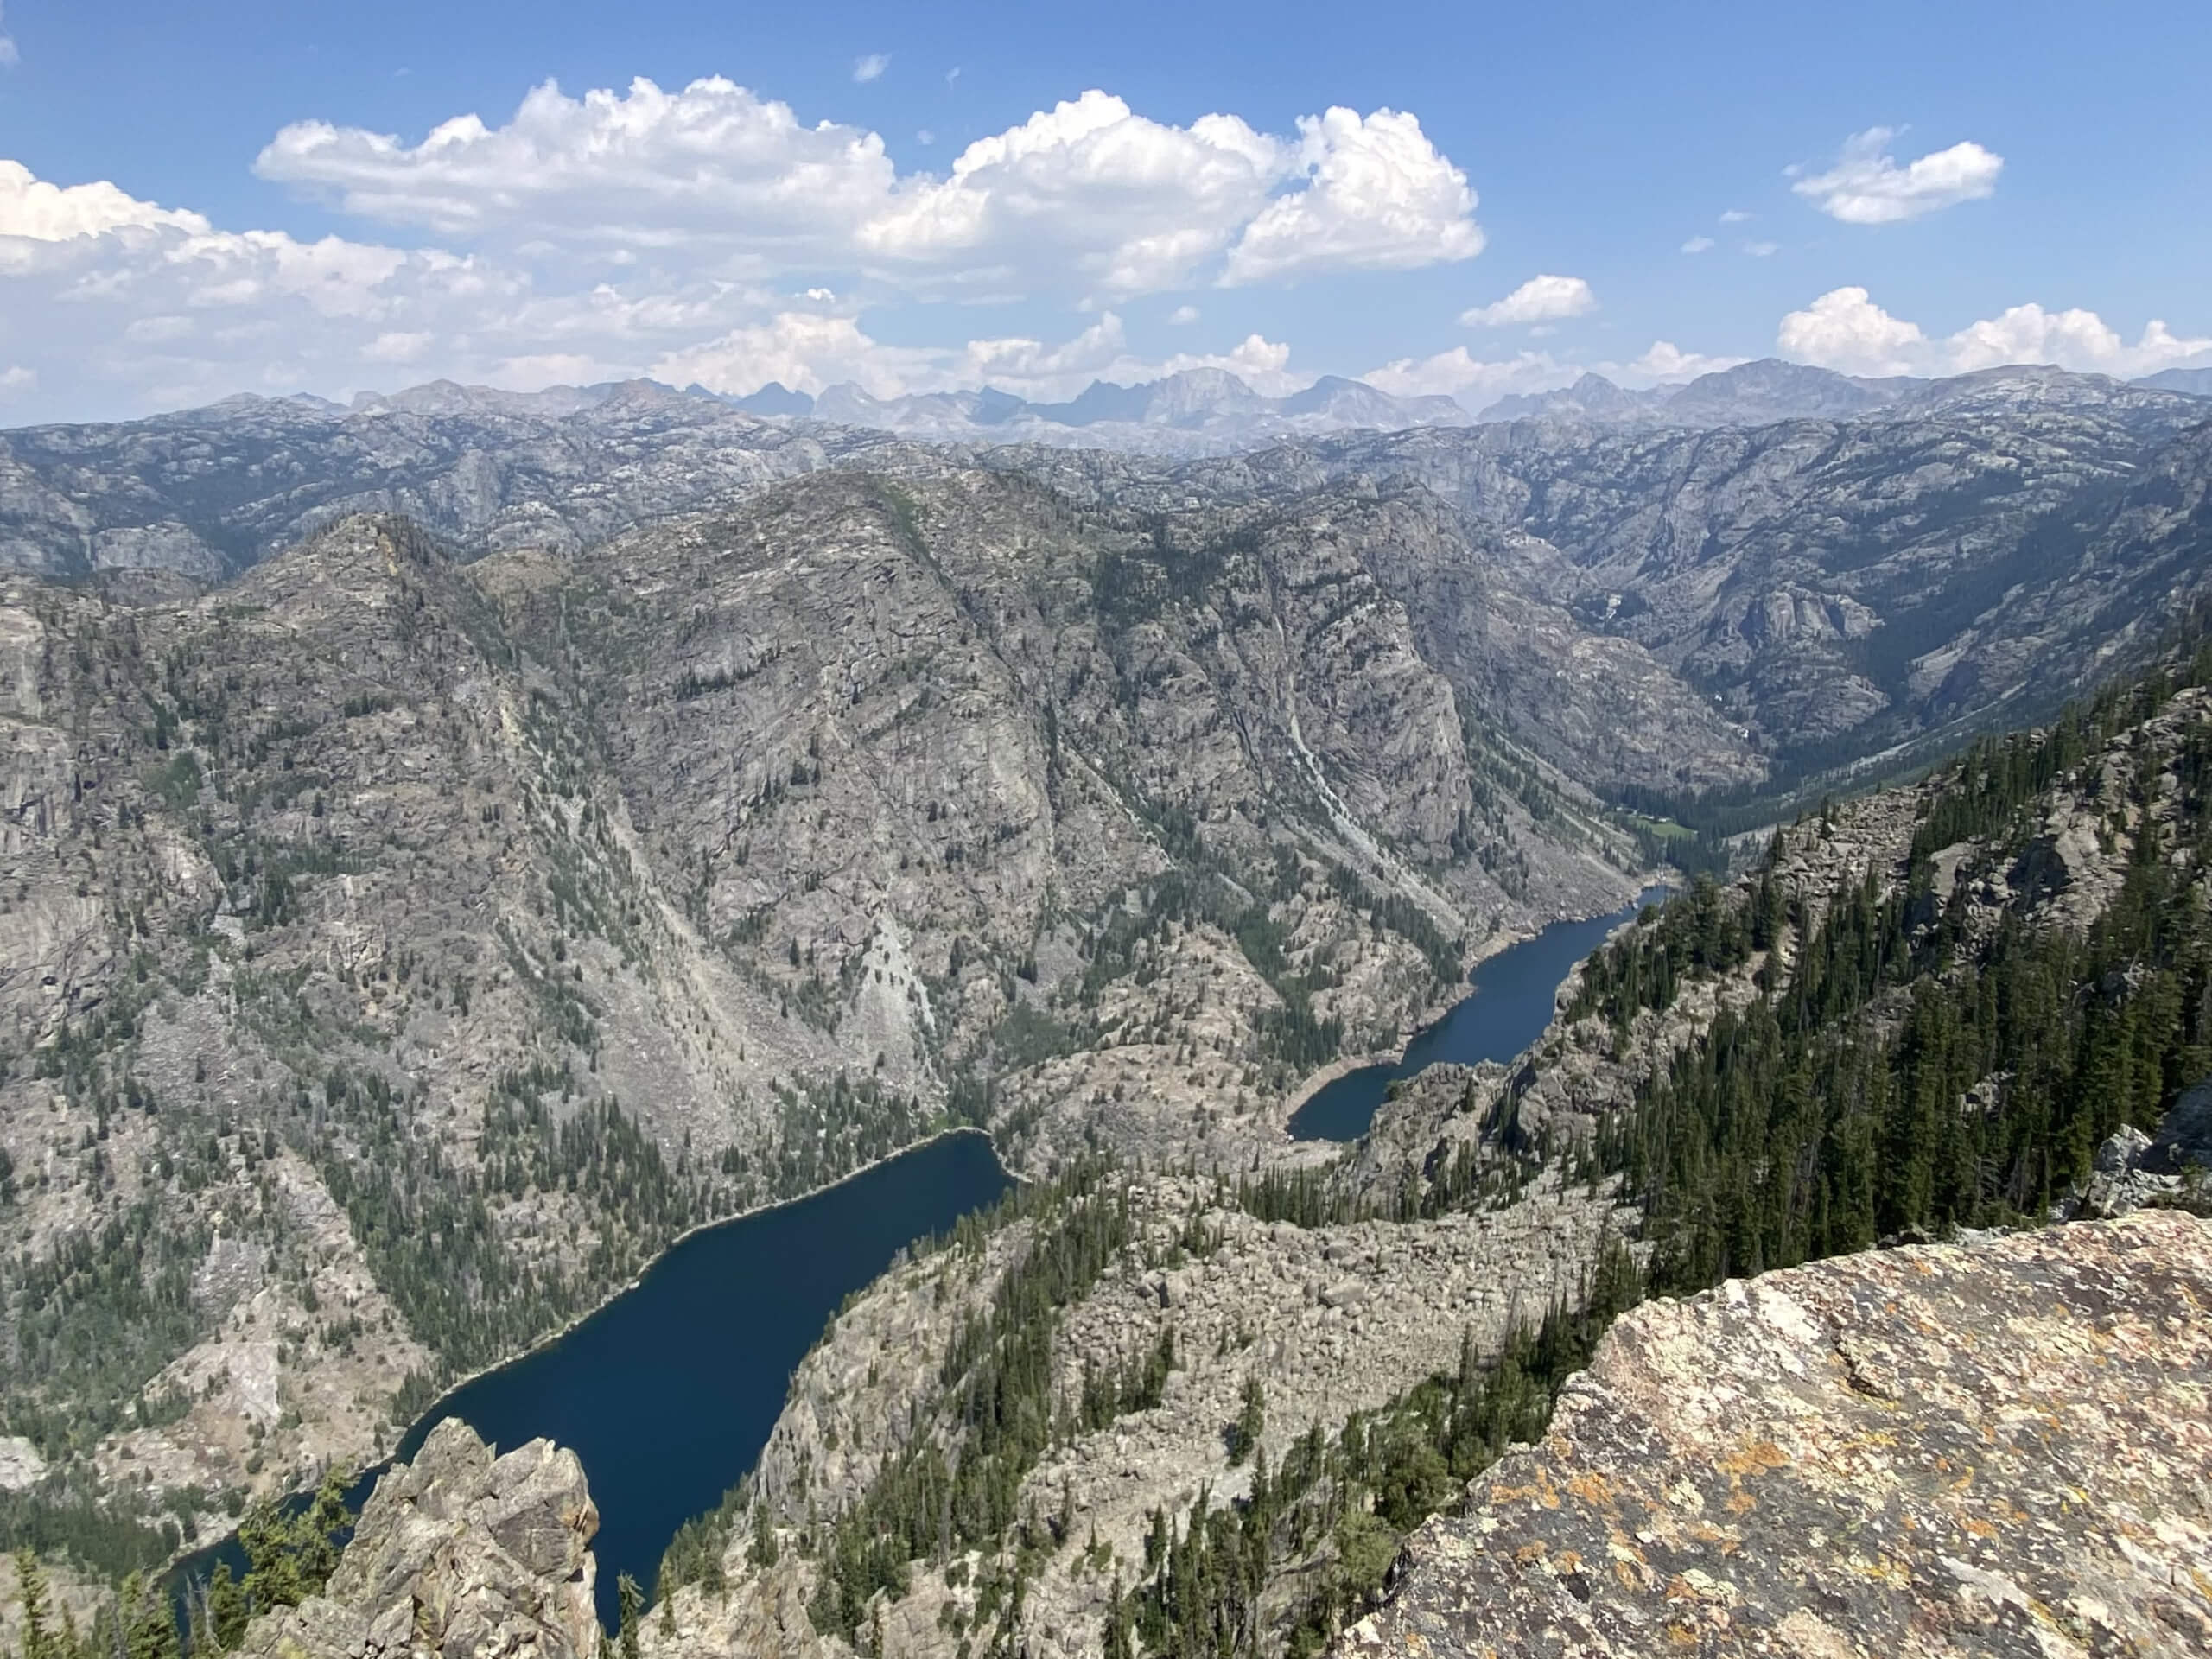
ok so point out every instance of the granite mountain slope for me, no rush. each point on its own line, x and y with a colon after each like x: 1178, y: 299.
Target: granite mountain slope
x: 398, y: 952
x: 1826, y: 568
x: 1838, y: 588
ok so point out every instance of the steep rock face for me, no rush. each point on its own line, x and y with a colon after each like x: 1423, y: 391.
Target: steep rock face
x: 900, y: 737
x: 460, y: 1551
x: 568, y: 903
x: 1835, y: 586
x: 1992, y: 1448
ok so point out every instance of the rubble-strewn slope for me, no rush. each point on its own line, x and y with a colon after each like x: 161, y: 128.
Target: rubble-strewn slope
x: 1981, y: 1448
x: 1331, y: 1320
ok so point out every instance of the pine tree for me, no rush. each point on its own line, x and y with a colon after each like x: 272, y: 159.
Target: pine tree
x: 146, y: 1621
x: 1118, y: 1644
x: 38, y: 1641
x: 318, y: 1530
x: 227, y: 1613
x: 1251, y: 1419
x: 632, y: 1600
x: 764, y: 1550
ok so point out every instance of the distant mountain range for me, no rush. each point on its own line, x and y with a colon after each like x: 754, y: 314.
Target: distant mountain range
x: 1200, y: 407
x: 1211, y: 411
x: 1769, y: 390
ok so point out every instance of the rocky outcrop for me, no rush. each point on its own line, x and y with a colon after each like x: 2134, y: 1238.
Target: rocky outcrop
x: 2135, y: 1171
x: 461, y: 1552
x: 1992, y: 1448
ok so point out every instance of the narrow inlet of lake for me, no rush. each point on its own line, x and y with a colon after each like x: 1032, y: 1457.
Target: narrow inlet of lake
x: 1506, y: 1009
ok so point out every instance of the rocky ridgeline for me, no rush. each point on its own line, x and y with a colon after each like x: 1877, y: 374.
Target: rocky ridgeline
x: 1997, y: 1447
x: 1331, y: 1320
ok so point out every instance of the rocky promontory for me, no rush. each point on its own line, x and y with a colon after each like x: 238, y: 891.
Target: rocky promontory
x: 1997, y: 1447
x: 462, y: 1551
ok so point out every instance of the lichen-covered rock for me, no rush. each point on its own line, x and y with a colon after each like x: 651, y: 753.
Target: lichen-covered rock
x: 461, y: 1553
x: 1994, y: 1448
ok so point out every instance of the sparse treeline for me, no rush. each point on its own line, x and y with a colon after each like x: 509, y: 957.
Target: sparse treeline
x: 290, y: 1554
x: 1335, y: 1506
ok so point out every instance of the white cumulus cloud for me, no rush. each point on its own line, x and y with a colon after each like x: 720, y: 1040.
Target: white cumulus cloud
x: 1665, y: 363
x: 871, y: 67
x: 1088, y: 197
x: 1376, y: 195
x: 1475, y: 381
x: 712, y: 167
x: 1867, y: 187
x: 33, y: 210
x: 1698, y: 244
x: 8, y: 56
x: 1845, y: 329
x: 1541, y: 299
x: 1087, y: 189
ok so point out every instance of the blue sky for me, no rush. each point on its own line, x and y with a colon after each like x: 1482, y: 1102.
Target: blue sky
x: 258, y: 232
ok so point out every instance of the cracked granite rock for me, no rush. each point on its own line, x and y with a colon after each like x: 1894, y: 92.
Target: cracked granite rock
x: 461, y: 1552
x: 1998, y: 1448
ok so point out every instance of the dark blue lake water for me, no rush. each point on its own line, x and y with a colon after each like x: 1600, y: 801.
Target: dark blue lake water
x: 1507, y: 1009
x: 667, y: 1394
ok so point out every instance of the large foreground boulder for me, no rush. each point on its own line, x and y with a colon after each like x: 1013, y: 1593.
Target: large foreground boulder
x: 459, y: 1555
x: 2002, y: 1447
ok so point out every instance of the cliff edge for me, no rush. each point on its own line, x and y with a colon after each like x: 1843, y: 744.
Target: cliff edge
x: 1999, y: 1446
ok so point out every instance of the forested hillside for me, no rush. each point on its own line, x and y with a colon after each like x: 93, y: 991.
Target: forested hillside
x: 1922, y: 1011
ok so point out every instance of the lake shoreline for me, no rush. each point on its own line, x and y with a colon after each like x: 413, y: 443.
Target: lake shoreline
x: 206, y: 1545
x: 1442, y: 1015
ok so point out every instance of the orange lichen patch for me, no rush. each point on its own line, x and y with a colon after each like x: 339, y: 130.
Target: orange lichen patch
x: 1539, y: 1490
x: 1741, y: 1502
x: 1592, y: 1488
x: 1979, y: 1529
x: 1760, y: 1457
x: 1529, y: 1554
x: 1683, y: 1635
